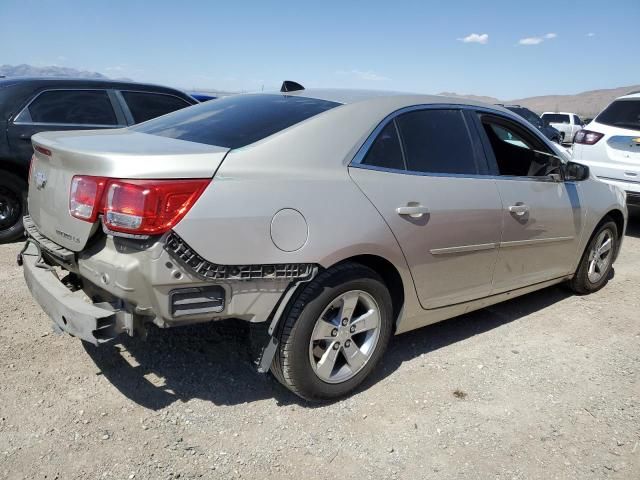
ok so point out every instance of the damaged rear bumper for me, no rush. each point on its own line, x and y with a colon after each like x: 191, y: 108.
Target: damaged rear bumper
x: 70, y: 311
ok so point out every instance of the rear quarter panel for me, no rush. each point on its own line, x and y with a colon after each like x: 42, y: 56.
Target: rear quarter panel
x: 302, y: 168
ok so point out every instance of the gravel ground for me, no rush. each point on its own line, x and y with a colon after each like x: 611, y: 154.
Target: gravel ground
x: 545, y: 386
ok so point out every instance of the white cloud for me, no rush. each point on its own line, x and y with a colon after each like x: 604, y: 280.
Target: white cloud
x: 481, y: 38
x: 537, y: 40
x: 530, y: 41
x: 367, y: 75
x: 591, y: 34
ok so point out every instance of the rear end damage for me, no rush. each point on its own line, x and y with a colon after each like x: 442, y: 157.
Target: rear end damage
x: 102, y: 257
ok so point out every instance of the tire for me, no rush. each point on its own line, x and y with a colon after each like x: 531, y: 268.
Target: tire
x: 13, y: 206
x: 561, y: 138
x: 587, y: 280
x: 315, y: 312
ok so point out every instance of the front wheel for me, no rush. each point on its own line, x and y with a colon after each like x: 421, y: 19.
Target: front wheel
x: 595, y: 266
x: 334, y: 334
x: 13, y: 201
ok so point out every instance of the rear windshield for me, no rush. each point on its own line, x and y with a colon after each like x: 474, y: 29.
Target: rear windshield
x: 235, y: 121
x: 556, y: 118
x: 528, y: 115
x: 621, y: 113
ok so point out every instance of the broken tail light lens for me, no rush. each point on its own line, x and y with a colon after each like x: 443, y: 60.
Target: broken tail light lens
x: 140, y: 207
x: 85, y: 197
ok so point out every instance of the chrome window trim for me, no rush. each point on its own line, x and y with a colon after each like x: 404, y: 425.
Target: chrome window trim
x: 70, y: 124
x: 70, y: 89
x: 356, y: 162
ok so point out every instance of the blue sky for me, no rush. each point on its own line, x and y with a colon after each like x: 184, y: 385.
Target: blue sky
x: 520, y: 48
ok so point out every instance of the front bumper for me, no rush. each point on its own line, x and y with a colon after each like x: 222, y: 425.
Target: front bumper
x: 70, y: 311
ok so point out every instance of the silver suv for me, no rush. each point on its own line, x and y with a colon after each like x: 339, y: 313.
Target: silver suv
x: 334, y: 218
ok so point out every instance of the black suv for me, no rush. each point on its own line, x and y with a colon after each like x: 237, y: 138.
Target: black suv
x: 531, y: 117
x: 32, y: 105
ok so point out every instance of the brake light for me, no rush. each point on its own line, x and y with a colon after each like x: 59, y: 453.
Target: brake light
x: 142, y: 207
x: 31, y: 165
x: 85, y: 197
x: 588, y: 137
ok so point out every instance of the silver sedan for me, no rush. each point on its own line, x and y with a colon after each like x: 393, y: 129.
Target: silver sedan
x: 333, y: 219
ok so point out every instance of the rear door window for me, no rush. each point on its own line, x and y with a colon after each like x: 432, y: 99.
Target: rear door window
x: 145, y: 106
x: 621, y: 113
x: 385, y: 151
x: 437, y: 141
x: 237, y: 120
x: 73, y: 107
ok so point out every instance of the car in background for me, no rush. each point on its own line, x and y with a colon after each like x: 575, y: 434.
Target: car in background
x: 390, y: 212
x: 568, y: 124
x: 533, y: 118
x: 202, y: 97
x: 32, y: 105
x: 611, y: 145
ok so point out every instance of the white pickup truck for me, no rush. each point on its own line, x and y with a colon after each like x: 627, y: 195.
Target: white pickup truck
x: 567, y: 123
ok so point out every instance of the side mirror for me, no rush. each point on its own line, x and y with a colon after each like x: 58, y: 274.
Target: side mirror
x: 575, y: 172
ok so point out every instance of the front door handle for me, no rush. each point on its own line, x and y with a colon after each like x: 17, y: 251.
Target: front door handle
x: 519, y: 210
x: 414, y: 211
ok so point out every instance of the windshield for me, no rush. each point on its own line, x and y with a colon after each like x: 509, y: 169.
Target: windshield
x: 622, y: 113
x: 235, y: 121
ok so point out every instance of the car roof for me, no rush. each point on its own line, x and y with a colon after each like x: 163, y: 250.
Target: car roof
x: 39, y: 82
x: 391, y: 98
x: 632, y: 95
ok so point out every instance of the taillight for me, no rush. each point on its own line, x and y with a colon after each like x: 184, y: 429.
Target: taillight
x: 31, y: 165
x: 86, y: 197
x: 587, y: 137
x: 142, y: 207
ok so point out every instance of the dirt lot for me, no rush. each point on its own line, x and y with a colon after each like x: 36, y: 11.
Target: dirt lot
x: 547, y: 387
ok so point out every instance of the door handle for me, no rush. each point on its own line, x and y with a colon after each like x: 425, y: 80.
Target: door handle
x: 518, y: 210
x: 414, y: 211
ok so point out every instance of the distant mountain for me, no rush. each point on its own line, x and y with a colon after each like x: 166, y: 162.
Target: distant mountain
x: 476, y: 98
x: 585, y: 104
x: 25, y: 70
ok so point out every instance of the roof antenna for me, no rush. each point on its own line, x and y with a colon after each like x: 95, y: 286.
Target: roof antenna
x: 290, y: 86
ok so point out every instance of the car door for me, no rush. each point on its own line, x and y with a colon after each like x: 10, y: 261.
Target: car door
x: 424, y: 173
x: 542, y: 216
x: 61, y: 109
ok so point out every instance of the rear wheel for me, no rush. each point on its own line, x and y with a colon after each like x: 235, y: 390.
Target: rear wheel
x: 13, y: 201
x: 334, y: 334
x: 597, y: 261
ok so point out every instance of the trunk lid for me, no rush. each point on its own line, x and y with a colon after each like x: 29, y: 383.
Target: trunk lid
x: 121, y: 153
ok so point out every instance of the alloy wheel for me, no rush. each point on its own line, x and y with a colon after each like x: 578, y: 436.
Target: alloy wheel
x: 600, y: 256
x: 10, y: 208
x: 345, y: 336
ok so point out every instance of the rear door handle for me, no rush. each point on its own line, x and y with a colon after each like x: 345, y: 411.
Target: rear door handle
x: 518, y: 210
x: 414, y: 211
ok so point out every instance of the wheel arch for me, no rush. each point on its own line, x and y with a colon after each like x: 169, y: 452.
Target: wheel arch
x: 390, y: 275
x: 618, y: 218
